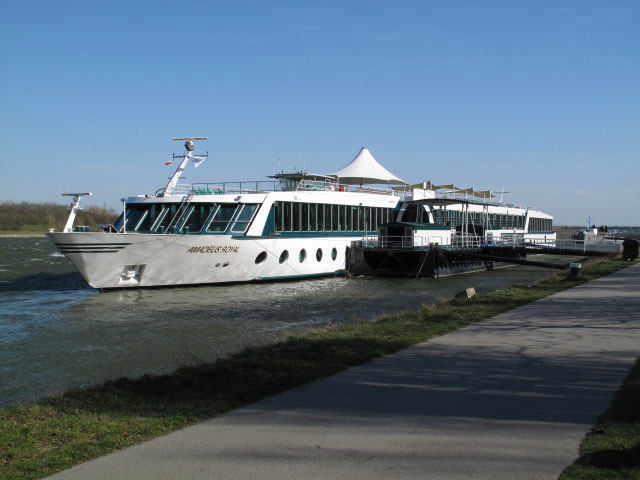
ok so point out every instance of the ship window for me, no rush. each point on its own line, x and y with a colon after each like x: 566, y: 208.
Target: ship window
x: 304, y: 222
x: 198, y: 214
x: 288, y: 218
x: 352, y: 218
x: 244, y: 217
x: 313, y: 217
x: 284, y: 256
x: 279, y: 216
x: 303, y: 255
x: 334, y: 253
x: 343, y: 218
x: 334, y: 218
x: 262, y: 256
x: 153, y: 211
x: 296, y: 217
x: 118, y: 223
x: 410, y: 213
x: 320, y: 218
x: 222, y: 217
x: 319, y: 254
x: 360, y: 219
x: 134, y: 214
x: 165, y: 218
x: 327, y: 218
x: 354, y: 212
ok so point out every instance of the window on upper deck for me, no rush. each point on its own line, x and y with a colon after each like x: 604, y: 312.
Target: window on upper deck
x: 134, y: 216
x: 165, y: 218
x: 222, y: 217
x: 244, y: 217
x: 154, y: 211
x: 196, y: 216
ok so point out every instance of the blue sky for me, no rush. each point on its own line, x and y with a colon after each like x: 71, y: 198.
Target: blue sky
x: 540, y: 97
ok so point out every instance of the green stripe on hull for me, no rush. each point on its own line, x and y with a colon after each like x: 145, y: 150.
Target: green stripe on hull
x: 307, y: 275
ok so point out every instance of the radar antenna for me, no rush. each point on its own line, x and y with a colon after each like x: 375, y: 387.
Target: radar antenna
x: 502, y: 192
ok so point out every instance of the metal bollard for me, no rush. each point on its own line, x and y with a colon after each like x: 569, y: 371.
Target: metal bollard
x: 574, y: 270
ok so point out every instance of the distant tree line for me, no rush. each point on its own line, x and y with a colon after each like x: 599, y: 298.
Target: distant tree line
x: 39, y: 217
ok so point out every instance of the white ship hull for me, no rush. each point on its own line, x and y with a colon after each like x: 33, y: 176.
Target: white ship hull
x: 117, y: 260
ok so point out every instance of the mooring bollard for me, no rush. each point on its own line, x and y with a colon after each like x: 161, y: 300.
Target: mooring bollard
x: 574, y: 270
x: 489, y: 266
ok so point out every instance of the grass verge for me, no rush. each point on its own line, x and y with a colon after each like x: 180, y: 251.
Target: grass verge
x: 55, y: 433
x: 611, y: 450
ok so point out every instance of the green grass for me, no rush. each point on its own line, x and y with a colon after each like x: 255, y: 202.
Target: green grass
x: 55, y: 433
x: 611, y: 450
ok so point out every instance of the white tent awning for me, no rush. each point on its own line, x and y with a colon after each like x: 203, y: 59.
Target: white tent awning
x: 364, y: 169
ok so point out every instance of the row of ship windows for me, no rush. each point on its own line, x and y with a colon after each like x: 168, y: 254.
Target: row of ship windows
x: 314, y: 217
x: 540, y: 224
x: 455, y: 218
x: 172, y: 218
x: 302, y: 256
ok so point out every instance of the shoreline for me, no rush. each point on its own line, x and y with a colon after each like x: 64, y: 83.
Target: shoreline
x: 129, y: 411
x: 22, y: 235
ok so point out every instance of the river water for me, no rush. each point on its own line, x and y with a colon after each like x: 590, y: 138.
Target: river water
x: 56, y: 332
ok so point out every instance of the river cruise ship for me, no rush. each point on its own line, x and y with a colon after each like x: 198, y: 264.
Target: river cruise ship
x: 296, y: 225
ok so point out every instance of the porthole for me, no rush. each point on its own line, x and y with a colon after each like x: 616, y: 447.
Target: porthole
x: 225, y: 264
x: 262, y: 256
x: 319, y: 254
x: 334, y: 254
x: 303, y: 255
x: 284, y: 256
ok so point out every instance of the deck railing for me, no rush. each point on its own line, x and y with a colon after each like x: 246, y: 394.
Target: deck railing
x: 476, y: 241
x: 403, y: 242
x: 245, y: 187
x: 313, y: 185
x: 478, y: 200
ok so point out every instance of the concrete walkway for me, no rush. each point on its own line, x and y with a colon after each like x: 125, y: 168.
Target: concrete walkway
x: 510, y: 398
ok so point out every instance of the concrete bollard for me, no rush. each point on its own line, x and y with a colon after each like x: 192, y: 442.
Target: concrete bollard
x: 574, y: 270
x: 466, y: 293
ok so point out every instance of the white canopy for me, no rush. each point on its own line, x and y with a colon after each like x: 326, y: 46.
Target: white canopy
x: 364, y: 169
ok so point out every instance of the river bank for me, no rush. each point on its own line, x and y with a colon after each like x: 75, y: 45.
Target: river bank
x: 23, y: 234
x: 42, y: 437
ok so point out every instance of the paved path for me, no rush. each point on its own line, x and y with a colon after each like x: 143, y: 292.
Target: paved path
x: 509, y: 398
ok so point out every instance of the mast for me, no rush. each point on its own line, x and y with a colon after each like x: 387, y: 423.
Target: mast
x: 75, y: 206
x: 188, y: 145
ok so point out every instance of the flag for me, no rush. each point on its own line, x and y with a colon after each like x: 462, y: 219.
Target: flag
x: 168, y: 163
x: 197, y: 160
